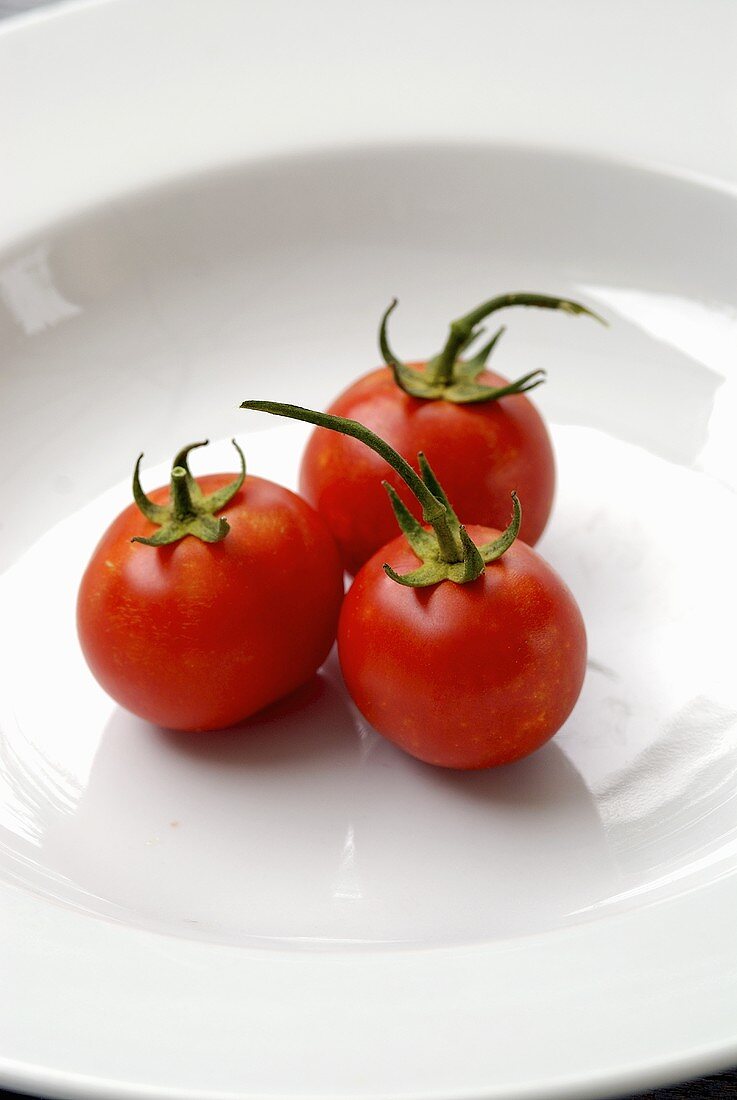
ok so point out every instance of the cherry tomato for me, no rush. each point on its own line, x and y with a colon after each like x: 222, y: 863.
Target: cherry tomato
x: 502, y: 446
x: 459, y: 644
x: 225, y: 615
x: 463, y: 675
x: 483, y: 437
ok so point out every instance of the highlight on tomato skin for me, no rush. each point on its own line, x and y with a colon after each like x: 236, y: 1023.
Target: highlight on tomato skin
x: 218, y: 600
x: 458, y: 643
x: 481, y: 433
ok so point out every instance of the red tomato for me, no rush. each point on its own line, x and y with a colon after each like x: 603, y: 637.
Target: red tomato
x: 199, y: 635
x: 463, y: 675
x: 457, y: 643
x: 482, y: 437
x: 480, y: 453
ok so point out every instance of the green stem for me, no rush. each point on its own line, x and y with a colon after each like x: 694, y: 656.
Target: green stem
x: 434, y: 511
x: 450, y: 551
x: 188, y: 511
x: 446, y: 361
x: 461, y: 329
x: 180, y: 495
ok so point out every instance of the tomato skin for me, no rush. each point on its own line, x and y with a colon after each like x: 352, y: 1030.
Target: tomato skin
x: 197, y: 636
x: 463, y: 675
x: 479, y: 453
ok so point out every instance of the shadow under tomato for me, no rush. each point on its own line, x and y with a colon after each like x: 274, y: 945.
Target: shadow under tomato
x: 303, y: 824
x: 513, y: 849
x: 315, y: 722
x: 231, y: 833
x: 542, y: 781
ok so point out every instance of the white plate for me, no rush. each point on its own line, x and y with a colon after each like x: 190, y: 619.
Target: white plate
x: 302, y: 911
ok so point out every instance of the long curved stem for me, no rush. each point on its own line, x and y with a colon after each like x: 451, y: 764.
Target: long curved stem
x: 461, y: 329
x: 434, y: 511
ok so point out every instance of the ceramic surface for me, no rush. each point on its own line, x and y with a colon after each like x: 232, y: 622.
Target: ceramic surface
x: 295, y: 908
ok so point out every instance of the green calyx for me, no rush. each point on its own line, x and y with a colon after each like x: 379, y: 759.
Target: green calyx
x: 446, y: 551
x: 435, y: 567
x: 447, y: 377
x: 189, y: 511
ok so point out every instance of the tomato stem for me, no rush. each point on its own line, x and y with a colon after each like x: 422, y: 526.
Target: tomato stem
x: 448, y: 553
x: 189, y: 511
x: 433, y: 510
x: 450, y: 378
x: 180, y: 495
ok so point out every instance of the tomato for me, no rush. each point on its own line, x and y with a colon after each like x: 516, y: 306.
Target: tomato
x: 502, y: 446
x: 205, y: 630
x: 480, y: 432
x: 459, y: 644
x: 463, y: 676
